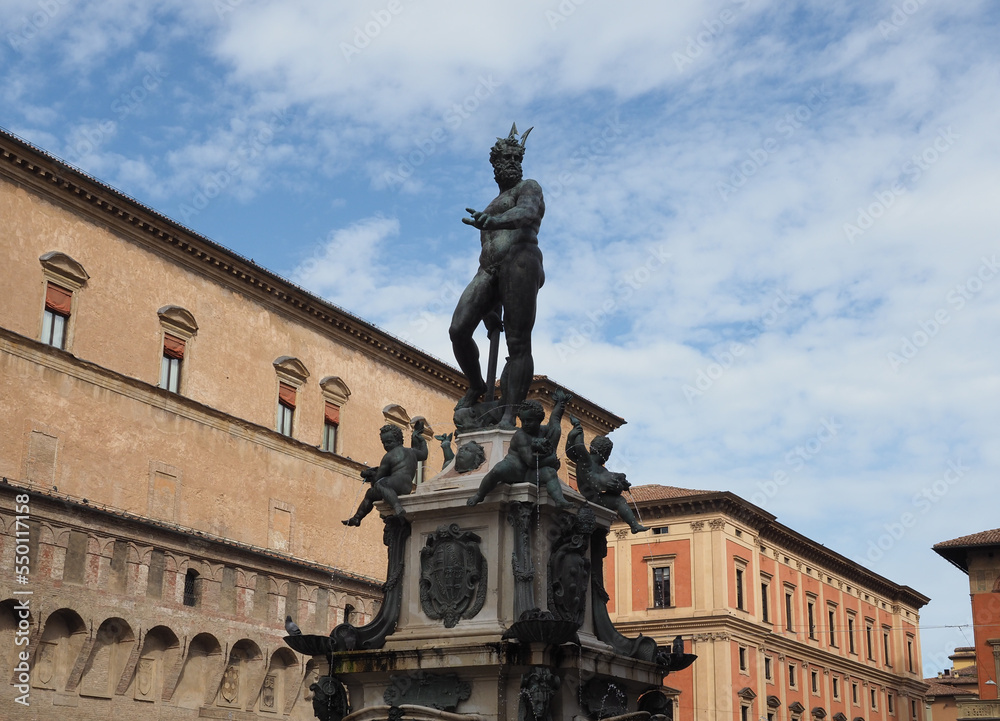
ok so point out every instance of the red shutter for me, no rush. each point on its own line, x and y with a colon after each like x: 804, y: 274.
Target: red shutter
x: 173, y: 347
x: 332, y: 413
x: 286, y: 395
x: 58, y: 299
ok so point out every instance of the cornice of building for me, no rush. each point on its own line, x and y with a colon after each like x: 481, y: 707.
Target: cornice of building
x: 86, y: 516
x: 542, y: 387
x: 769, y: 530
x: 65, y: 362
x: 59, y: 182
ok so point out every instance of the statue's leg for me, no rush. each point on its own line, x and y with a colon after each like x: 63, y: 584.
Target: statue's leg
x: 500, y: 473
x: 554, y: 488
x: 625, y: 511
x: 367, y: 503
x: 477, y: 300
x: 520, y: 278
x: 391, y: 492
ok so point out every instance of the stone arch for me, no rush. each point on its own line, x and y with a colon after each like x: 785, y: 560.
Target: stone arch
x: 243, y: 675
x: 108, y: 658
x: 158, y: 657
x: 47, y: 534
x: 201, y: 666
x: 12, y: 622
x: 177, y: 318
x: 396, y: 415
x: 277, y: 693
x: 335, y: 388
x: 61, y: 642
x: 291, y: 368
x: 63, y: 267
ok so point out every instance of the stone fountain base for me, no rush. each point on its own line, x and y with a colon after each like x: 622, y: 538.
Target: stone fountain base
x: 495, y: 611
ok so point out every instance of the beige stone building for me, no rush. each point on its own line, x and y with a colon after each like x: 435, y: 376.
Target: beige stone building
x: 958, y: 684
x: 181, y: 432
x: 785, y: 629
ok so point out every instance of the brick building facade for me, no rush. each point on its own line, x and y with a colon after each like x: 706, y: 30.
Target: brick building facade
x: 784, y: 628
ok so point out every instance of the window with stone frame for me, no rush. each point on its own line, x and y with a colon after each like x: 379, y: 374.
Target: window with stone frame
x: 63, y: 277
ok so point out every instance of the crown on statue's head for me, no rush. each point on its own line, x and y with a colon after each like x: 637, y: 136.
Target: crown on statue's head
x: 510, y: 143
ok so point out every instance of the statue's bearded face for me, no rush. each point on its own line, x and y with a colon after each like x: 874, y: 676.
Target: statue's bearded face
x: 507, y: 168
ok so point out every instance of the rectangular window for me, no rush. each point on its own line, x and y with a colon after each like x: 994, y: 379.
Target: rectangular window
x: 739, y: 589
x: 791, y: 675
x: 743, y: 658
x: 661, y: 587
x: 660, y: 530
x: 170, y: 365
x: 831, y: 615
x: 854, y: 694
x: 850, y: 634
x: 887, y: 656
x: 869, y: 640
x: 744, y: 713
x: 768, y: 673
x: 58, y: 303
x: 788, y: 612
x: 331, y: 423
x: 811, y: 612
x: 890, y: 703
x: 874, y: 696
x: 286, y: 408
x: 765, y: 602
x: 814, y: 681
x: 909, y: 654
x: 836, y: 687
x: 913, y: 710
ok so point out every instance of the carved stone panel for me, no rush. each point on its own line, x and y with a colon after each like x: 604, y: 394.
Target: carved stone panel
x: 452, y: 575
x: 267, y: 692
x: 569, y: 567
x: 441, y: 691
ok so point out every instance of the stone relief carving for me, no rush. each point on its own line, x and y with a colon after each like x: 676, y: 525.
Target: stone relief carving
x: 538, y: 686
x: 569, y: 567
x: 453, y: 575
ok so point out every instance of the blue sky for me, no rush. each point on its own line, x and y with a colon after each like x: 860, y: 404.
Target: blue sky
x: 770, y: 234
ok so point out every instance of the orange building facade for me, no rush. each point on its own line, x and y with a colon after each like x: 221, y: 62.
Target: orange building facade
x: 784, y: 628
x: 978, y: 556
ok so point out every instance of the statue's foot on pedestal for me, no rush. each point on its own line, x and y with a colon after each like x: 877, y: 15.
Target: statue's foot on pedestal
x: 474, y: 500
x: 352, y: 521
x: 507, y: 424
x: 562, y: 503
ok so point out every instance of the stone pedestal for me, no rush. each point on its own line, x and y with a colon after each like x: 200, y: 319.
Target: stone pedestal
x: 469, y: 575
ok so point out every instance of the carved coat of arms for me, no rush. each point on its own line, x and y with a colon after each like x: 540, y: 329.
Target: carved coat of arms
x: 144, y: 677
x: 267, y: 695
x: 452, y: 575
x: 231, y: 683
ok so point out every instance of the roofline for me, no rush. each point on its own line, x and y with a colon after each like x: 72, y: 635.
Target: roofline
x: 51, y: 176
x: 769, y: 528
x: 957, y: 553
